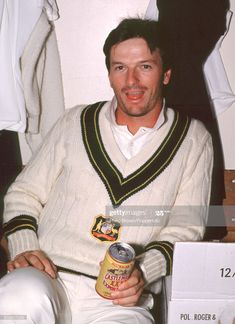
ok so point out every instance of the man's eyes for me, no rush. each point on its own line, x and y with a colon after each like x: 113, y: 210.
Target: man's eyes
x: 119, y: 68
x: 146, y: 66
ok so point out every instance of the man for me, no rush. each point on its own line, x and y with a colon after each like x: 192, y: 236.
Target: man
x: 132, y: 151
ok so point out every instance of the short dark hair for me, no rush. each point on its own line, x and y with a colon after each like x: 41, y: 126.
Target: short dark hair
x: 150, y: 30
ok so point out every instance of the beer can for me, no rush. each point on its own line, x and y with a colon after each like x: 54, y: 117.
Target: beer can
x: 116, y: 268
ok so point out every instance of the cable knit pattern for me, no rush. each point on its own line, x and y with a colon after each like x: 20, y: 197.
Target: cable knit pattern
x: 153, y: 265
x: 63, y: 192
x: 21, y: 241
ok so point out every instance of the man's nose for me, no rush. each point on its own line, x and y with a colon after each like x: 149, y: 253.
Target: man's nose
x: 132, y: 77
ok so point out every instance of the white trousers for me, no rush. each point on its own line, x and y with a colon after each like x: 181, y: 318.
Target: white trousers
x: 28, y: 295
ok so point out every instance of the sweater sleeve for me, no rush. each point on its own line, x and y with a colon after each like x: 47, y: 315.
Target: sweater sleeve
x: 187, y: 218
x: 27, y: 196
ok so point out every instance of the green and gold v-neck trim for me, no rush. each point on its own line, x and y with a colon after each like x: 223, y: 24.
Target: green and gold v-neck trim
x: 120, y: 188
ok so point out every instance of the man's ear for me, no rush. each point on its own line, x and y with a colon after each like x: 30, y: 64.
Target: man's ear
x: 167, y: 76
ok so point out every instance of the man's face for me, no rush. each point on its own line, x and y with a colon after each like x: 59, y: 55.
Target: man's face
x: 136, y: 76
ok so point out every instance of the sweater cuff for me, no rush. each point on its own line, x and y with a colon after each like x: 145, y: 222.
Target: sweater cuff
x: 165, y: 248
x: 153, y: 265
x: 21, y: 241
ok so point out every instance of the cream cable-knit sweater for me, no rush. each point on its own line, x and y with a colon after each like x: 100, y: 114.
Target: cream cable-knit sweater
x: 62, y: 191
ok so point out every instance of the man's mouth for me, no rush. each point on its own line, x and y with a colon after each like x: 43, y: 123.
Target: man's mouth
x: 134, y: 94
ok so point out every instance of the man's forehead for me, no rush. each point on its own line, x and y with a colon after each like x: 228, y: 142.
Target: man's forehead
x: 133, y: 48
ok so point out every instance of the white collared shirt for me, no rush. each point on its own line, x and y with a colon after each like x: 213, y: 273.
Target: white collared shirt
x: 128, y: 143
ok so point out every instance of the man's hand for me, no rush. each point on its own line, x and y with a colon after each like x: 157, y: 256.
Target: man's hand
x: 36, y: 259
x: 130, y: 291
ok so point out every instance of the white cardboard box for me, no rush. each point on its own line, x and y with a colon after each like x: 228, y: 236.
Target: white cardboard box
x: 201, y: 312
x: 203, y: 283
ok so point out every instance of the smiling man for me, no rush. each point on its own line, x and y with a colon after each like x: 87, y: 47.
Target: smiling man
x: 136, y: 76
x: 132, y: 152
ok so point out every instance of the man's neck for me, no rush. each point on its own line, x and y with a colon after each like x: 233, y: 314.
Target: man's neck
x: 133, y: 123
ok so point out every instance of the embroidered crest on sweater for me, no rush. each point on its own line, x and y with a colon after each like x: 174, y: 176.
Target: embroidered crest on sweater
x: 105, y: 229
x: 120, y: 188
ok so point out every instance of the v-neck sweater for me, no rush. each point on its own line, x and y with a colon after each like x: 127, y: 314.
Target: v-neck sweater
x: 62, y: 195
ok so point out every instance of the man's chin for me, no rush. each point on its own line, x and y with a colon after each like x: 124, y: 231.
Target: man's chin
x: 136, y: 113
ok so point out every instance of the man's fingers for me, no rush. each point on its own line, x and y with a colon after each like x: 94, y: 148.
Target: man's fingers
x: 128, y: 297
x: 129, y: 291
x: 127, y: 302
x: 36, y: 259
x: 10, y: 266
x: 50, y: 268
x: 135, y: 280
x: 21, y: 262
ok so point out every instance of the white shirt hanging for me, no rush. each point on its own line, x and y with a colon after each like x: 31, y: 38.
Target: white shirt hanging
x: 152, y: 10
x: 17, y: 20
x: 221, y: 94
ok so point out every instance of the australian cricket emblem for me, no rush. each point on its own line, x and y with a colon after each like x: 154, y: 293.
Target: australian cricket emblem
x: 105, y: 229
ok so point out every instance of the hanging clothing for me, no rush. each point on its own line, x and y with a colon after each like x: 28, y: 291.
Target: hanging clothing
x: 152, y: 10
x: 17, y: 21
x: 221, y: 94
x: 190, y: 23
x: 28, y: 59
x: 42, y: 81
